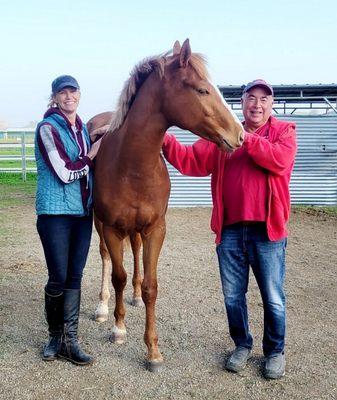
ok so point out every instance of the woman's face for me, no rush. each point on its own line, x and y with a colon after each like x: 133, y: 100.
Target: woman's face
x: 67, y: 100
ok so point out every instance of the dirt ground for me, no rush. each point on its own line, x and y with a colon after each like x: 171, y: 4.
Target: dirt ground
x: 191, y: 321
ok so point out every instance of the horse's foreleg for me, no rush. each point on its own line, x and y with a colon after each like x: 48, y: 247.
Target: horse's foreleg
x: 118, y: 278
x: 136, y: 242
x: 152, y: 244
x: 102, y: 310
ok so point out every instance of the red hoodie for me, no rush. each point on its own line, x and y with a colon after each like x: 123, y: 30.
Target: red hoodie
x: 275, y: 153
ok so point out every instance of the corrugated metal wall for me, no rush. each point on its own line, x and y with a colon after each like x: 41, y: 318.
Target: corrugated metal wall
x: 314, y: 180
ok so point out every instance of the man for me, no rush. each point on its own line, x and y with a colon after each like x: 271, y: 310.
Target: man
x: 251, y: 203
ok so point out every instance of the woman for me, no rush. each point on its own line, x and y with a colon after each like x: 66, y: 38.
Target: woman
x: 64, y: 214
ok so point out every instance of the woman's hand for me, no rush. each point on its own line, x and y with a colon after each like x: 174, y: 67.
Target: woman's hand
x: 94, y: 149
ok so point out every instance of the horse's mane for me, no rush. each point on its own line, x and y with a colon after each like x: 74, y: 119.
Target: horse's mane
x: 138, y: 76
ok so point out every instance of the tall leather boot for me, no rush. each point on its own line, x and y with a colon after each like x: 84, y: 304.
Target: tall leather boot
x: 54, y: 317
x: 70, y: 349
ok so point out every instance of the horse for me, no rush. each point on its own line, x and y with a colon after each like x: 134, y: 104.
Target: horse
x: 131, y: 181
x: 97, y: 127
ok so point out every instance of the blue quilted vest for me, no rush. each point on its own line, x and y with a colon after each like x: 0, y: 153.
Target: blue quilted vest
x: 54, y: 196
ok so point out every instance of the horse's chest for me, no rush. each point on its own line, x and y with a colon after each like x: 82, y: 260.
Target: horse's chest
x: 133, y: 200
x: 134, y: 217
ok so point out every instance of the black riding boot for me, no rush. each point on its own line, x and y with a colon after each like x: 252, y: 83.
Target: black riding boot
x: 70, y: 348
x: 54, y: 317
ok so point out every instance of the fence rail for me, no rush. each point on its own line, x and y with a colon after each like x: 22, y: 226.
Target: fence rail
x: 23, y: 140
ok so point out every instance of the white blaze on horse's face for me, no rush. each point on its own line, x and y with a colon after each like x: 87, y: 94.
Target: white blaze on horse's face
x: 226, y: 105
x: 237, y: 131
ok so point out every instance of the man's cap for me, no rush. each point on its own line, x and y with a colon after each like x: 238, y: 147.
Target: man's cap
x: 260, y: 83
x: 64, y: 81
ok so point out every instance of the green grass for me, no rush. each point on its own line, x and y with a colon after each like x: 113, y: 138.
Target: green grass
x: 16, y: 151
x: 14, y: 191
x: 16, y: 180
x: 16, y: 164
x: 13, y: 151
x: 29, y: 138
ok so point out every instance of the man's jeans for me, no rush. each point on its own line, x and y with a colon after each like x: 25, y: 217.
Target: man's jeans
x: 241, y: 246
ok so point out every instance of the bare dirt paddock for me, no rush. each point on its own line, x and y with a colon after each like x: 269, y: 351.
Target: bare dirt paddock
x: 191, y: 321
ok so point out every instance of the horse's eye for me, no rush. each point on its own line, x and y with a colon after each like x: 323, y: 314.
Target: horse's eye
x: 203, y: 91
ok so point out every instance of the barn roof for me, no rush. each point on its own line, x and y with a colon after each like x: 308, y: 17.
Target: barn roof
x: 290, y: 97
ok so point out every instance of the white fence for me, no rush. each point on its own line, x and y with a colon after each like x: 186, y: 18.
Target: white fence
x: 17, y: 139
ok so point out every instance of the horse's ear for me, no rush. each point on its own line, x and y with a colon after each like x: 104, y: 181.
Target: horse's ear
x: 176, y: 48
x: 185, y: 53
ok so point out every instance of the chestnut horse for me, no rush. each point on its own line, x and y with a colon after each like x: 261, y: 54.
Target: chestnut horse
x: 132, y: 184
x: 97, y: 127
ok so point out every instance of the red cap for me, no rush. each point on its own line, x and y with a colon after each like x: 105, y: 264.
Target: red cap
x: 261, y: 83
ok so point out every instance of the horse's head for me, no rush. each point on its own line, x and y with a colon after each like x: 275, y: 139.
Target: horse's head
x: 192, y: 102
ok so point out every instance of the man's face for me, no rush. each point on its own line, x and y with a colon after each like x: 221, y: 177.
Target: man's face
x: 257, y: 107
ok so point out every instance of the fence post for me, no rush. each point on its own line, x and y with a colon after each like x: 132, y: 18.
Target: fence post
x: 23, y: 155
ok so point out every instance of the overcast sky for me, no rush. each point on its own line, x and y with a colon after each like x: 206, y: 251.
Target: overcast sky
x: 99, y: 42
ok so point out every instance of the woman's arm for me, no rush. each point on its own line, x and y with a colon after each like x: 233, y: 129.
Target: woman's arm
x: 56, y: 157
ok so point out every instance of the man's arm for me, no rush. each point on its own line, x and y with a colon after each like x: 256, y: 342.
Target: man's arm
x: 194, y: 160
x: 276, y: 157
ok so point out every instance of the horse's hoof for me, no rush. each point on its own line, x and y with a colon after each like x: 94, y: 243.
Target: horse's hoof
x: 117, y: 339
x: 155, y: 366
x: 101, y: 317
x: 118, y: 336
x: 137, y: 302
x: 101, y: 313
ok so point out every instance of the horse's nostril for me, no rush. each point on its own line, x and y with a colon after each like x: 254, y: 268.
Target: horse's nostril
x: 241, y: 138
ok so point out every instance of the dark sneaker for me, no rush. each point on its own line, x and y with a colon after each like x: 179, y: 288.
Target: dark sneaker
x: 274, y: 367
x: 238, y: 360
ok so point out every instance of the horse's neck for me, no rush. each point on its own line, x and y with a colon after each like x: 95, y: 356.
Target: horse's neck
x: 144, y: 128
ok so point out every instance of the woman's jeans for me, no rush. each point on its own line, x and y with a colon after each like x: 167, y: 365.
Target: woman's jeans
x: 65, y: 240
x: 248, y: 245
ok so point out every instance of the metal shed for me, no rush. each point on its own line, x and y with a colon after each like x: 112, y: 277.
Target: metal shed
x: 314, y: 179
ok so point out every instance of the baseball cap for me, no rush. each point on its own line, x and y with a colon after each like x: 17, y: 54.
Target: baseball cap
x: 261, y: 83
x: 63, y: 81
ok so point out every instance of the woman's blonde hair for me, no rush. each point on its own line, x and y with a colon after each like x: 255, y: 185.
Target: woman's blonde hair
x: 52, y: 102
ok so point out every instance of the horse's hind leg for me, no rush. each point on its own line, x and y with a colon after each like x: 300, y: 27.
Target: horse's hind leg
x: 118, y: 278
x: 136, y: 243
x: 152, y: 244
x: 102, y: 310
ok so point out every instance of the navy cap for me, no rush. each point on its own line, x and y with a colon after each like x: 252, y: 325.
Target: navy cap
x: 63, y: 81
x: 261, y: 83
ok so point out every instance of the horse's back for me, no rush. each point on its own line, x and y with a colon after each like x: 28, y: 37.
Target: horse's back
x: 99, y: 124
